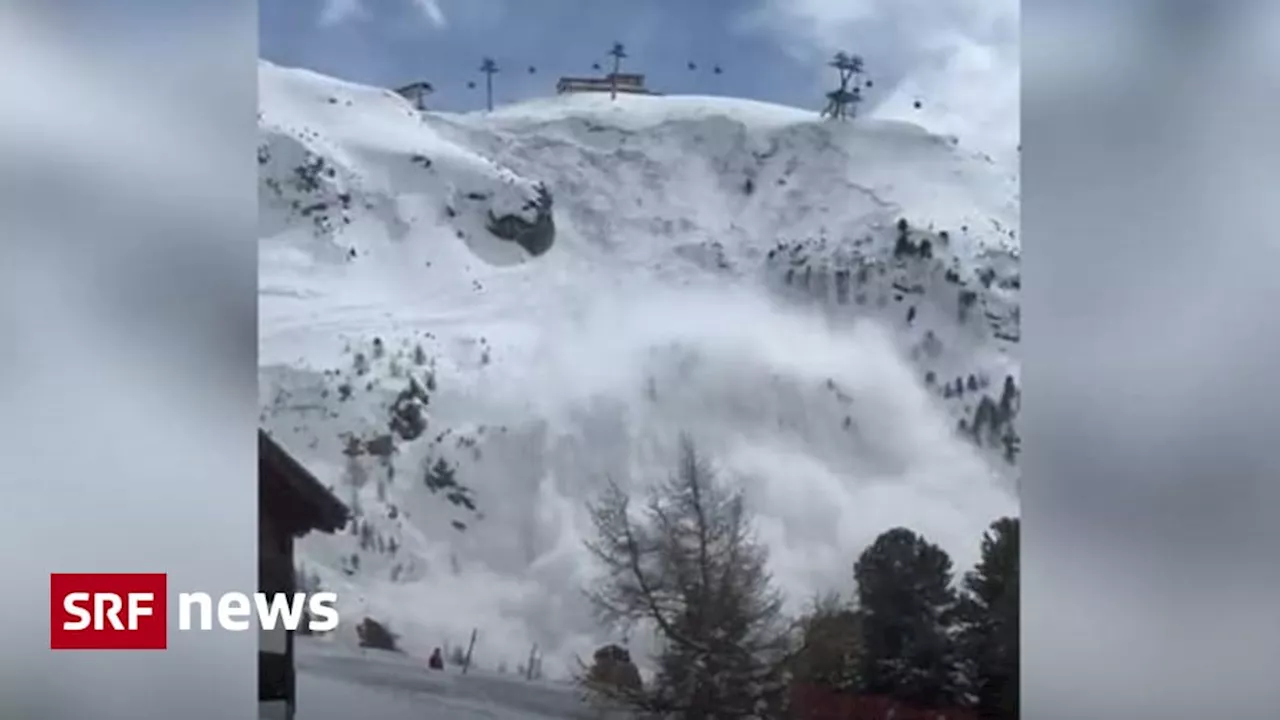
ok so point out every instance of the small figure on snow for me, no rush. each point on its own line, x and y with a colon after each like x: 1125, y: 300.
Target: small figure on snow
x: 436, y: 662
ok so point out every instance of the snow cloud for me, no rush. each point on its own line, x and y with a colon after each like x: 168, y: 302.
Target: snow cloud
x: 959, y: 58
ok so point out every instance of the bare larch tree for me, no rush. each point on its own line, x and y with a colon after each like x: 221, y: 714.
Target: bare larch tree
x: 687, y: 563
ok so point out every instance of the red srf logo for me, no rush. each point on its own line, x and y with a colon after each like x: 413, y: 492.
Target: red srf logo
x: 108, y: 611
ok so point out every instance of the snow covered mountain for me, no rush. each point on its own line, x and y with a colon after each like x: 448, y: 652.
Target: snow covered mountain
x: 468, y: 321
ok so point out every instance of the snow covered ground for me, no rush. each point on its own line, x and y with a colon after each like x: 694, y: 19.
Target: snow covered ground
x: 375, y: 685
x: 570, y: 283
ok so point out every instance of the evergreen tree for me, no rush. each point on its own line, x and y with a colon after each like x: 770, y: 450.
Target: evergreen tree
x: 1009, y: 397
x: 989, y: 608
x: 373, y: 634
x: 907, y: 606
x: 612, y: 668
x: 832, y: 647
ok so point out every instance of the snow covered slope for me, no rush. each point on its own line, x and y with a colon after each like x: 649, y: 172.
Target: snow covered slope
x: 338, y: 684
x: 468, y: 321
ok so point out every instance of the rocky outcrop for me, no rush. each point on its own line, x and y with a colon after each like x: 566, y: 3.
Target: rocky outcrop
x: 536, y: 236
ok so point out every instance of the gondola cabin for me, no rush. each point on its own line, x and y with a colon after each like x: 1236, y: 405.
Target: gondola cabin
x: 291, y: 503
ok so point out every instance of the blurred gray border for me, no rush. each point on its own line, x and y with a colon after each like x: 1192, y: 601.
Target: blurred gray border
x: 1150, y: 173
x: 128, y: 408
x: 128, y: 290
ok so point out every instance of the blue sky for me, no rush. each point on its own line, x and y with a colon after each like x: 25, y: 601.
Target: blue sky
x: 959, y: 57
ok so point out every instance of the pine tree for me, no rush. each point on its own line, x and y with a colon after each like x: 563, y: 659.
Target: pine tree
x: 612, y: 668
x: 832, y: 647
x: 373, y: 634
x: 989, y: 609
x: 1009, y: 397
x: 907, y: 606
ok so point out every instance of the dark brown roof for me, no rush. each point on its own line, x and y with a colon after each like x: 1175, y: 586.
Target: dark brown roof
x: 630, y: 79
x: 633, y: 84
x: 311, y: 505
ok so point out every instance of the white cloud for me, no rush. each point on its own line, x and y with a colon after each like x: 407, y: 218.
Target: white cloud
x: 431, y: 11
x: 336, y: 12
x: 960, y: 58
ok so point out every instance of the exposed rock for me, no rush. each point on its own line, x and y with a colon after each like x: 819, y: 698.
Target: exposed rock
x: 535, y: 237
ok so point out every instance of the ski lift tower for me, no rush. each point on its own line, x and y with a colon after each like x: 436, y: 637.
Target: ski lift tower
x: 488, y: 67
x: 618, y: 52
x: 843, y: 101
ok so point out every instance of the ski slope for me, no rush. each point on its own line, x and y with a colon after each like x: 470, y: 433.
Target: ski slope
x: 376, y: 685
x: 715, y: 266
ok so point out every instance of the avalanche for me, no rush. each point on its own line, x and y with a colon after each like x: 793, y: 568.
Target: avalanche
x: 560, y: 287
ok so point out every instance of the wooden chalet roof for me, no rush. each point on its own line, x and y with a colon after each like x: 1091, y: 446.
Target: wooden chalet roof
x: 310, y: 506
